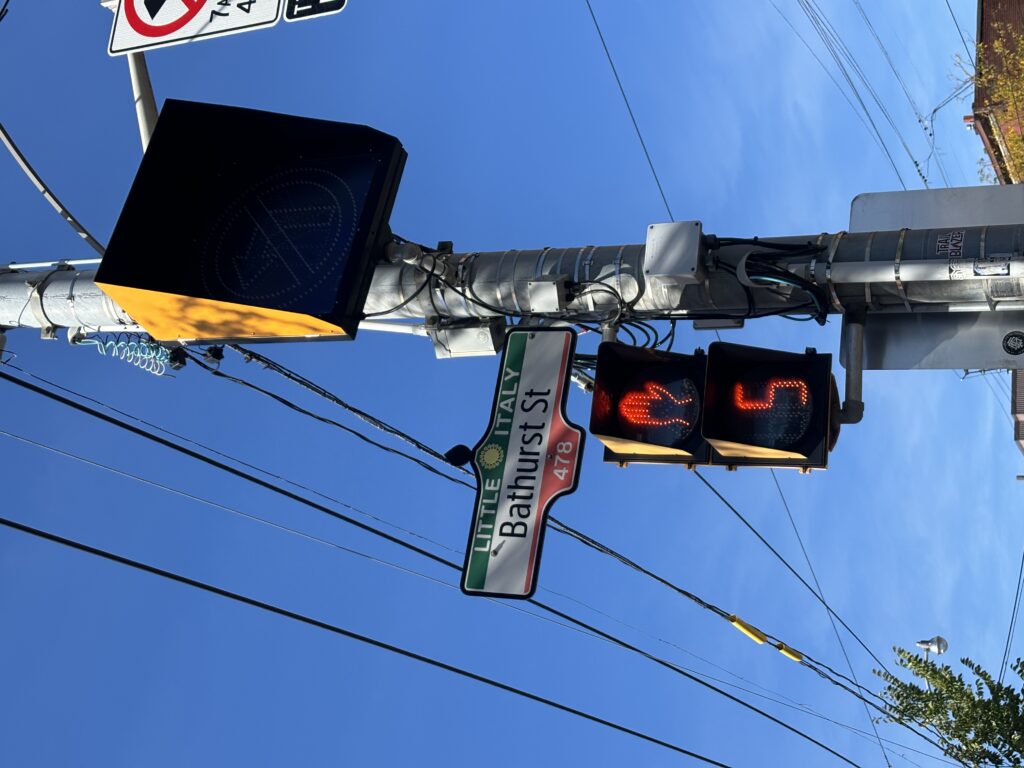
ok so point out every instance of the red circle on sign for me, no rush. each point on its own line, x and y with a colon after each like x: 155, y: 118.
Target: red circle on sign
x: 131, y: 13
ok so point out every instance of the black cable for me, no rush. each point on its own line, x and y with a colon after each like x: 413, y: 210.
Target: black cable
x: 821, y: 593
x: 961, y: 33
x: 40, y: 185
x: 789, y: 567
x: 629, y: 109
x: 1013, y: 620
x: 324, y: 420
x: 396, y: 540
x: 835, y: 50
x: 235, y: 459
x: 555, y: 523
x: 316, y: 389
x: 473, y: 298
x: 594, y: 544
x: 412, y: 297
x: 419, y: 574
x: 338, y: 630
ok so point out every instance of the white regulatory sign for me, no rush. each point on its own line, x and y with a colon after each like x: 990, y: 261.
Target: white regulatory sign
x: 143, y: 24
x: 529, y: 456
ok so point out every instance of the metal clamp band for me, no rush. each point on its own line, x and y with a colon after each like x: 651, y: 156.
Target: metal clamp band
x: 896, y: 269
x: 812, y: 268
x: 47, y: 328
x: 828, y: 271
x: 513, y: 289
x: 868, y: 298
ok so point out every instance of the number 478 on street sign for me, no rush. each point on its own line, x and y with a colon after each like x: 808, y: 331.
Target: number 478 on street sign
x: 140, y: 25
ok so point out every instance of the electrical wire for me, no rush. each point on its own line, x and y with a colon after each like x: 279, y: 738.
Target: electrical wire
x: 40, y: 185
x: 296, y: 378
x: 396, y: 540
x: 961, y: 33
x: 271, y: 524
x: 229, y: 457
x: 561, y: 527
x: 830, y: 36
x: 789, y: 567
x: 192, y: 497
x: 324, y: 420
x: 338, y: 630
x: 821, y: 594
x: 629, y: 109
x: 555, y: 523
x: 769, y: 695
x: 842, y: 57
x: 1013, y: 621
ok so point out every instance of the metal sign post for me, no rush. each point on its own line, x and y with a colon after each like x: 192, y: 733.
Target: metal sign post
x: 529, y: 456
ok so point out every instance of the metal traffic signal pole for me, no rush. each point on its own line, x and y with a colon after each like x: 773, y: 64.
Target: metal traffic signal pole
x: 679, y: 273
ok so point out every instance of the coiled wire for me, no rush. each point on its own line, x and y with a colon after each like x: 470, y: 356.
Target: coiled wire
x: 134, y: 350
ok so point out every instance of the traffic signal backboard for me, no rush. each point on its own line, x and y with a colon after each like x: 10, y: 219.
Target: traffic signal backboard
x: 250, y: 225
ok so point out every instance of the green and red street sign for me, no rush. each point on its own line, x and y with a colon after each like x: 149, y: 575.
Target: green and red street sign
x: 529, y: 457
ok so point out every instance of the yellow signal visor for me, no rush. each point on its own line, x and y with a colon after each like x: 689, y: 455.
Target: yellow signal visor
x: 172, y: 317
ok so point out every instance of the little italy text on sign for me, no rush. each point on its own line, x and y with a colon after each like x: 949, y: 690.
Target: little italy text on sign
x: 529, y: 457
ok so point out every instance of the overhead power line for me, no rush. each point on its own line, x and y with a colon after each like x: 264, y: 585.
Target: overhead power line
x: 847, y: 63
x: 554, y: 522
x: 229, y: 457
x: 818, y: 667
x: 39, y: 184
x: 769, y: 694
x: 324, y: 420
x: 402, y: 543
x: 338, y: 630
x: 961, y: 33
x: 251, y: 355
x: 629, y: 109
x: 556, y: 525
x: 1013, y: 620
x: 789, y: 567
x: 832, y: 621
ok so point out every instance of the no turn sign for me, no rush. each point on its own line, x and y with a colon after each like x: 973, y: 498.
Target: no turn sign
x: 143, y: 24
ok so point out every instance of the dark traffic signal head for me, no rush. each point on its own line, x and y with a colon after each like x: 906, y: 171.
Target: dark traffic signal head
x: 648, y: 403
x: 770, y: 408
x: 243, y: 224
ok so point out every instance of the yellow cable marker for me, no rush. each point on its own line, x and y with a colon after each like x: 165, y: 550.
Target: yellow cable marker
x: 749, y: 630
x: 789, y: 653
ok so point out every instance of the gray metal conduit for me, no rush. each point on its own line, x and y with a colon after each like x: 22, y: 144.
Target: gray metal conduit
x: 66, y: 298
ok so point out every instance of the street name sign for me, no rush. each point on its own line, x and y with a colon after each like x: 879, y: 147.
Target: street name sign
x: 140, y: 25
x: 529, y: 456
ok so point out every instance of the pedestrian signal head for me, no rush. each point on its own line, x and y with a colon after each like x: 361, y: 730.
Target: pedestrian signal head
x: 768, y: 407
x: 648, y: 403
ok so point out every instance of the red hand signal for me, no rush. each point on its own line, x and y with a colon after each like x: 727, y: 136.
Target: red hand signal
x: 639, y: 407
x: 774, y: 385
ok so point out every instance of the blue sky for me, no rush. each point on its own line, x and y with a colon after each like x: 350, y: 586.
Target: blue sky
x: 517, y: 137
